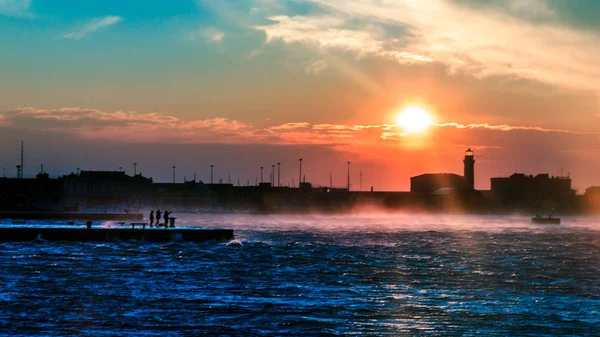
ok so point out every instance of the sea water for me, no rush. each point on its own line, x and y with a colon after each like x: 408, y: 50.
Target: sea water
x: 368, y: 274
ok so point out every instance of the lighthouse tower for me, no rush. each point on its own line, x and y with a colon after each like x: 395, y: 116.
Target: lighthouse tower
x: 469, y: 169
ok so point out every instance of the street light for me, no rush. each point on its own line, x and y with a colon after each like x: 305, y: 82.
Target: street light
x: 300, y: 177
x: 261, y: 174
x: 134, y: 169
x: 211, y: 173
x: 173, y: 174
x: 272, y: 175
x: 348, y: 176
x: 278, y: 174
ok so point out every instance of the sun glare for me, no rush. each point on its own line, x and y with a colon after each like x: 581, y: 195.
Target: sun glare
x: 414, y: 119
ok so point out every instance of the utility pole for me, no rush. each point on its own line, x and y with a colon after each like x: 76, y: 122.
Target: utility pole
x: 278, y: 174
x: 173, y: 174
x: 300, y: 175
x: 348, y: 176
x: 22, y: 159
x: 211, y: 173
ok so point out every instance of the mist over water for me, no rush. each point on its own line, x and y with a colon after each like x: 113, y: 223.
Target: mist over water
x: 369, y: 274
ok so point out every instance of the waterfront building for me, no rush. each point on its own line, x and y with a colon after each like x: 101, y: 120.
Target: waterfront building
x: 527, y: 191
x: 431, y: 182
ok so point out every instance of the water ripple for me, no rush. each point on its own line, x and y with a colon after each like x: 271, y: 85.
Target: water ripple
x: 296, y: 281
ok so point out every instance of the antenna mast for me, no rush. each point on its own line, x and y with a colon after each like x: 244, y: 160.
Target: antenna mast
x: 21, y: 171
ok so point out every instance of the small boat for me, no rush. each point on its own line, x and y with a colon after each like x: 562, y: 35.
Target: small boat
x: 550, y: 220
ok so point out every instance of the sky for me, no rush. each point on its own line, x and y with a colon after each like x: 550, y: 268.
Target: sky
x: 240, y: 84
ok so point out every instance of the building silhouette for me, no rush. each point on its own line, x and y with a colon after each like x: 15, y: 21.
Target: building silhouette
x: 431, y: 182
x: 105, y: 189
x: 541, y: 192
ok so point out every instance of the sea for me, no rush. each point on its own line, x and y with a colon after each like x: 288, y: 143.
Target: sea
x: 366, y: 274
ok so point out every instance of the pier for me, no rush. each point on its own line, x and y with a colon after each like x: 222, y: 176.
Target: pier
x: 71, y: 216
x: 10, y: 234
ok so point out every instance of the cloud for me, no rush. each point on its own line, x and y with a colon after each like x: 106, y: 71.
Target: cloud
x: 328, y: 32
x: 92, y: 26
x: 291, y: 126
x: 16, y: 8
x: 479, y: 42
x: 135, y: 127
x: 533, y: 8
x: 3, y: 122
x: 503, y: 127
x: 215, y: 36
x: 316, y: 67
x: 209, y: 35
x: 255, y: 53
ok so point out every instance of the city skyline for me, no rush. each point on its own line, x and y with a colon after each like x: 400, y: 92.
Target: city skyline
x: 245, y: 84
x: 275, y: 178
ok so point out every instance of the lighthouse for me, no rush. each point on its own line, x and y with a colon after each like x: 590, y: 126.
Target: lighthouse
x: 469, y: 169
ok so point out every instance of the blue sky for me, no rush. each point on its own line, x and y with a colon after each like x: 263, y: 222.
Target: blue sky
x: 314, y: 74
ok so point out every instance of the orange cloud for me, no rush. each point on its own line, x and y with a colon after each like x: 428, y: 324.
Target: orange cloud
x: 155, y: 127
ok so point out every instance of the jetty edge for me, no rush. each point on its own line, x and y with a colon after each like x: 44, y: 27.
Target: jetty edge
x: 19, y: 234
x: 95, y: 216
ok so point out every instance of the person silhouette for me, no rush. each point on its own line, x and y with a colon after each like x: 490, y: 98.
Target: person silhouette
x: 158, y: 218
x: 151, y: 218
x: 166, y: 216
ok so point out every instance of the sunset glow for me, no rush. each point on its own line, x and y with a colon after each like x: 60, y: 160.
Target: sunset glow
x: 414, y: 119
x: 363, y: 81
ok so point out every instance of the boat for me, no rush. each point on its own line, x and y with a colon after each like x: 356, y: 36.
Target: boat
x: 550, y: 220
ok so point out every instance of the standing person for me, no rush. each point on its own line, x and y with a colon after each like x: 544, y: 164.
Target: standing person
x: 166, y: 216
x: 151, y: 217
x: 157, y: 218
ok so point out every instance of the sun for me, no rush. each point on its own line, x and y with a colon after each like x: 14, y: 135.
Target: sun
x: 414, y: 119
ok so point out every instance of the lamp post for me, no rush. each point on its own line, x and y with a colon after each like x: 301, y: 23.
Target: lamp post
x: 348, y: 176
x: 261, y: 174
x: 174, y: 174
x: 211, y: 173
x: 278, y: 174
x: 272, y: 175
x: 134, y: 169
x: 300, y: 176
